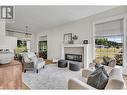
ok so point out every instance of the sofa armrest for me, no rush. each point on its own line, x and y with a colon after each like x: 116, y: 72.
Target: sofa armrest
x: 77, y: 84
x: 86, y: 72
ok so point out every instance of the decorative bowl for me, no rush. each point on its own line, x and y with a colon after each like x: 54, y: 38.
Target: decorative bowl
x: 6, y: 57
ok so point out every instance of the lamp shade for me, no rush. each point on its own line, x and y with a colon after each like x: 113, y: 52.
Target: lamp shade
x: 8, y: 42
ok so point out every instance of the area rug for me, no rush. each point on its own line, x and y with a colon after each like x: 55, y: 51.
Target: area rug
x: 51, y: 77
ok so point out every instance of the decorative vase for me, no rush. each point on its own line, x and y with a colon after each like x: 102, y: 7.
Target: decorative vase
x: 71, y: 42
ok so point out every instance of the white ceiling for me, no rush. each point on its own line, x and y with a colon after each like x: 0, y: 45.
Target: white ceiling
x: 45, y: 17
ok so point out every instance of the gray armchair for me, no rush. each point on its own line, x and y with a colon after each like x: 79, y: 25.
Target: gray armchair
x: 31, y: 62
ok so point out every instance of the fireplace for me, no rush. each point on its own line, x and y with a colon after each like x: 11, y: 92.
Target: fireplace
x: 73, y: 57
x: 79, y: 53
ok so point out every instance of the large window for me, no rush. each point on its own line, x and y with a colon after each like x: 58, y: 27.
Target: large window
x: 111, y: 46
x: 109, y: 40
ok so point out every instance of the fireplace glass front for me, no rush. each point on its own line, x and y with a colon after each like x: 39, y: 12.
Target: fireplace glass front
x: 73, y: 57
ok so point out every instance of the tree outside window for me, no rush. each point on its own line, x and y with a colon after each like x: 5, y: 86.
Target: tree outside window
x: 111, y: 46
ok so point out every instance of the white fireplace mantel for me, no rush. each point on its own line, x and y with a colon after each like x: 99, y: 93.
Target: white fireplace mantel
x: 86, y: 49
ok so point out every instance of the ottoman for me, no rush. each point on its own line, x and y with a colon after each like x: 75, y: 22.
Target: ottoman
x: 62, y: 63
x: 74, y: 66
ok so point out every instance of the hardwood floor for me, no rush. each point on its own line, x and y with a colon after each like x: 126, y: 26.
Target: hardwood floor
x: 48, y: 61
x: 24, y: 87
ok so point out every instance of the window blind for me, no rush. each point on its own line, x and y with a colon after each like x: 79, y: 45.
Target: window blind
x: 110, y: 28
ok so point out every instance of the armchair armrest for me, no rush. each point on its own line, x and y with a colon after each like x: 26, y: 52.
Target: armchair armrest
x: 41, y: 59
x: 77, y: 84
x: 86, y: 72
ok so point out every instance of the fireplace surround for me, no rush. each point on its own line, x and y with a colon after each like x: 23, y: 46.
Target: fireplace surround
x: 80, y: 53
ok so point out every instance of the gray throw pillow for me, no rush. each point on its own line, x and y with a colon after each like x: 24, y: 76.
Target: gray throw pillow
x: 99, y: 66
x: 98, y: 79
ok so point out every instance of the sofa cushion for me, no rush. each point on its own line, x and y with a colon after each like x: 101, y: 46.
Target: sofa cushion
x: 98, y: 78
x: 26, y: 59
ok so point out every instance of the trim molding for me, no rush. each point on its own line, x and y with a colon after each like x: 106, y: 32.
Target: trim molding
x: 17, y: 32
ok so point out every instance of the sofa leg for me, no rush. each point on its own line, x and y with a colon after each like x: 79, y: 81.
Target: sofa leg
x: 37, y: 71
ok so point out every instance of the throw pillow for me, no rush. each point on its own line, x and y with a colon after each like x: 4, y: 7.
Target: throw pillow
x: 99, y: 66
x: 106, y: 60
x: 34, y: 59
x: 98, y: 79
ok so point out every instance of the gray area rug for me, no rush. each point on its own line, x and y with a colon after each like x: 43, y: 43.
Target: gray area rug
x: 51, y: 77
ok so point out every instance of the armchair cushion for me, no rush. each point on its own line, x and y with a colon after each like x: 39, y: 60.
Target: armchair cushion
x: 98, y: 78
x: 26, y: 59
x: 31, y: 54
x: 34, y: 59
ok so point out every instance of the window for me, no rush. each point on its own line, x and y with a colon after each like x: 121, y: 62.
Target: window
x: 109, y: 40
x: 43, y: 49
x: 22, y: 46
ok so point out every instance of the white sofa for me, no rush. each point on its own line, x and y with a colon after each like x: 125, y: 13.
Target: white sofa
x: 115, y: 80
x: 31, y: 61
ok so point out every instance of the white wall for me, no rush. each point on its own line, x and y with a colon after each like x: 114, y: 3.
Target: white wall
x: 20, y: 36
x: 33, y: 44
x: 83, y: 28
x: 5, y: 41
x: 43, y: 38
x: 2, y: 29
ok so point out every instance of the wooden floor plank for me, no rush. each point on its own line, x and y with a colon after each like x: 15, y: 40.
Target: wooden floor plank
x: 25, y: 87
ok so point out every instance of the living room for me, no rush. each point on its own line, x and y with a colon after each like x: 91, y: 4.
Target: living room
x: 64, y: 46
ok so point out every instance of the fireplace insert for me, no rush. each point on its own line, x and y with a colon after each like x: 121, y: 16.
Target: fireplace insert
x: 73, y: 57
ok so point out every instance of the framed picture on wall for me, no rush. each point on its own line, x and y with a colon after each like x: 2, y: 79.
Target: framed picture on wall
x: 67, y: 38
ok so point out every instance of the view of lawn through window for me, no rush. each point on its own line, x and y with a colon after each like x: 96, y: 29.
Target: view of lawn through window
x: 21, y: 46
x: 111, y: 46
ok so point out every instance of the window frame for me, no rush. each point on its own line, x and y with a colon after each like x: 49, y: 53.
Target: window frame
x: 124, y: 17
